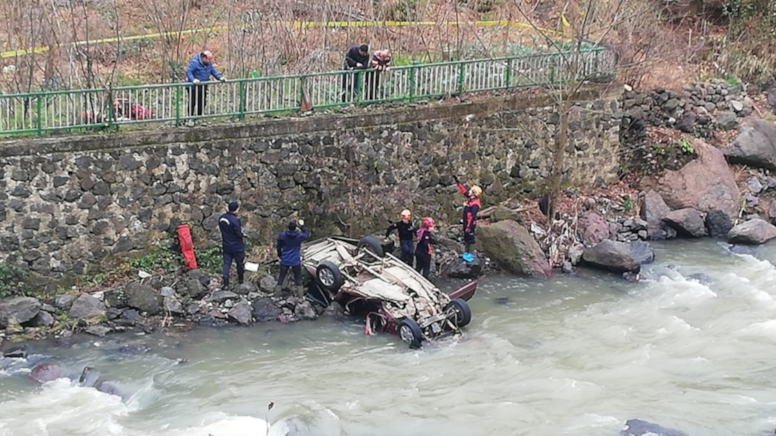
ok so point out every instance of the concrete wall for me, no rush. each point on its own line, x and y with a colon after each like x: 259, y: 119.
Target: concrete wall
x: 69, y: 203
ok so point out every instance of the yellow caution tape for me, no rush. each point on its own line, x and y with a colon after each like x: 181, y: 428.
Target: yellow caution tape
x: 295, y: 24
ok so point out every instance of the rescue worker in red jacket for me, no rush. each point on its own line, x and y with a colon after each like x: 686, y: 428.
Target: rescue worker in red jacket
x: 406, y: 235
x: 423, y: 250
x: 470, y: 210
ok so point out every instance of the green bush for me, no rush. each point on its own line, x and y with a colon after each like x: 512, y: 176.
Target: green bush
x: 13, y: 281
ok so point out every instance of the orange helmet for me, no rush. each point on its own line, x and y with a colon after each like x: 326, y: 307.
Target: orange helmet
x: 405, y: 214
x: 428, y: 222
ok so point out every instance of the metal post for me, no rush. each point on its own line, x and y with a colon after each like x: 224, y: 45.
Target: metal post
x: 241, y: 115
x: 39, y: 111
x: 358, y: 87
x: 411, y: 94
x: 178, y: 105
x: 508, y: 74
x: 461, y: 77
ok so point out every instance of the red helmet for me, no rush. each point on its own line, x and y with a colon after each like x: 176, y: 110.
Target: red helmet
x: 428, y: 222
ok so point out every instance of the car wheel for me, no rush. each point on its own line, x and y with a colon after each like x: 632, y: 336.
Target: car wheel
x: 329, y: 276
x: 409, y: 331
x: 460, y: 309
x: 372, y: 244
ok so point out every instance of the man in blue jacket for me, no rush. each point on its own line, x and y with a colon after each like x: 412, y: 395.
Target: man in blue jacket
x: 233, y: 244
x: 290, y: 256
x: 200, y: 69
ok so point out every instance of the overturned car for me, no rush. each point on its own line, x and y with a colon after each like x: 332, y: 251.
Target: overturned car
x: 392, y: 296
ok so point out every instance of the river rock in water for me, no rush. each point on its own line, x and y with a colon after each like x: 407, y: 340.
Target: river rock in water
x: 687, y: 222
x: 637, y: 427
x: 461, y: 269
x: 265, y: 310
x: 510, y: 244
x: 241, y: 313
x: 22, y: 309
x: 618, y: 257
x: 718, y: 224
x: 752, y: 232
x: 704, y: 184
x: 46, y: 372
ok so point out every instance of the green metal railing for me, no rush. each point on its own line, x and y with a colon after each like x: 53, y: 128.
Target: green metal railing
x: 42, y: 112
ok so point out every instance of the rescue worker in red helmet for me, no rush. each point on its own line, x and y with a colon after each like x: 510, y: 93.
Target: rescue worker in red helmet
x: 470, y: 210
x: 423, y: 250
x: 406, y: 235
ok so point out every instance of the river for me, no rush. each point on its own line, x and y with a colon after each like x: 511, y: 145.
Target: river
x: 575, y: 355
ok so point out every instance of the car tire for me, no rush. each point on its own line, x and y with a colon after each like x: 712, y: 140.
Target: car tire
x: 409, y: 332
x: 463, y: 314
x: 329, y: 276
x: 372, y: 244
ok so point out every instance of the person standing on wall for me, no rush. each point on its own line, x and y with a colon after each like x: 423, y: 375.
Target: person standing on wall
x: 199, y: 70
x: 357, y: 58
x: 233, y: 243
x: 289, y: 247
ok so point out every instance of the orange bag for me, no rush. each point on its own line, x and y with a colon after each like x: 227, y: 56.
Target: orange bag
x: 187, y: 247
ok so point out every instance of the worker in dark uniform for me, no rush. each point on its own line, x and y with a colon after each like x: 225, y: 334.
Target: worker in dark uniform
x: 406, y: 235
x: 289, y: 247
x: 233, y: 243
x: 470, y: 210
x: 357, y: 58
x: 423, y: 250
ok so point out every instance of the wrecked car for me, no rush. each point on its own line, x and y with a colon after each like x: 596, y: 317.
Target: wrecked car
x: 392, y: 296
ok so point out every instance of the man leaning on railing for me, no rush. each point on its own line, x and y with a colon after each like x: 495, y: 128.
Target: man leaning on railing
x: 200, y: 69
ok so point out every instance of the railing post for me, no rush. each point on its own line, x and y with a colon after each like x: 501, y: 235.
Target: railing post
x: 411, y: 91
x: 461, y: 77
x: 241, y: 85
x: 111, y: 114
x: 39, y: 110
x: 178, y: 105
x: 358, y: 83
x: 508, y: 75
x: 302, y: 83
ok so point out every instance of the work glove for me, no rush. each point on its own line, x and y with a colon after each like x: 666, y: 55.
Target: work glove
x: 301, y: 222
x: 223, y: 79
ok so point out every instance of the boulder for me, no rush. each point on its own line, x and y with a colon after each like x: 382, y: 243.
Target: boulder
x: 42, y: 319
x: 241, y: 313
x: 704, y: 184
x: 502, y: 213
x: 334, y: 309
x: 98, y: 330
x: 592, y: 228
x: 172, y: 305
x: 193, y: 288
x: 755, y: 145
x: 718, y: 224
x: 264, y: 310
x: 575, y: 253
x: 461, y: 269
x: 618, y: 256
x: 772, y: 212
x: 221, y: 296
x: 64, y: 302
x: 22, y: 309
x: 637, y: 427
x: 267, y: 284
x: 727, y: 120
x: 46, y: 372
x: 86, y: 306
x: 752, y: 232
x: 652, y: 210
x: 246, y: 288
x: 510, y: 244
x: 198, y: 275
x: 143, y: 298
x: 687, y: 222
x: 305, y: 311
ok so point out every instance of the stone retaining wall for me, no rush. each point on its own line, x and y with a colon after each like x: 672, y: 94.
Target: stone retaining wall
x: 69, y: 203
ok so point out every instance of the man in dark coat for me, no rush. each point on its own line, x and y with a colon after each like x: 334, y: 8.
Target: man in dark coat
x: 233, y: 243
x: 289, y: 247
x: 357, y: 58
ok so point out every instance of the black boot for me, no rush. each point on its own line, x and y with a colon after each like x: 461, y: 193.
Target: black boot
x: 239, y: 280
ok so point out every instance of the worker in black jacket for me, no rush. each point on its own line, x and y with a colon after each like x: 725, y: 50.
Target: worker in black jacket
x: 357, y: 58
x: 423, y: 250
x: 233, y: 243
x: 406, y: 234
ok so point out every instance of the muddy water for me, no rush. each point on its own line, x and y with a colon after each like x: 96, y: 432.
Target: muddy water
x: 571, y: 356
